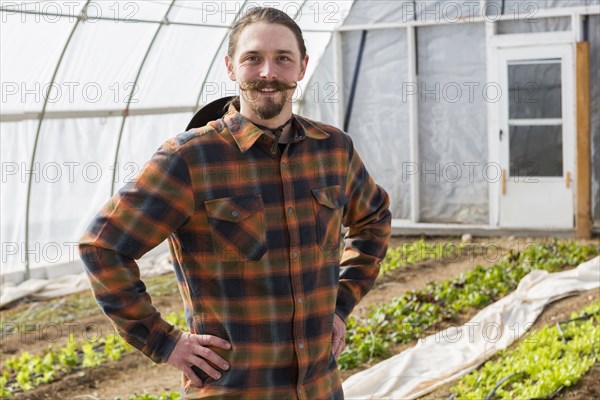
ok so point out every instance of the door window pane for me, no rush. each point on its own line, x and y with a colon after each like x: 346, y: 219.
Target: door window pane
x: 534, y: 89
x: 536, y: 150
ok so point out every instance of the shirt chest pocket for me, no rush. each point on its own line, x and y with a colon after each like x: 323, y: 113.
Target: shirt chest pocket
x: 238, y: 227
x: 329, y: 210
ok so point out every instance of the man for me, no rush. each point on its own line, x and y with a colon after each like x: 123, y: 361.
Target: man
x: 252, y: 205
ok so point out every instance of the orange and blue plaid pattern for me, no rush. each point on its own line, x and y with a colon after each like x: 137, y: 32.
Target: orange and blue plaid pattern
x: 255, y: 244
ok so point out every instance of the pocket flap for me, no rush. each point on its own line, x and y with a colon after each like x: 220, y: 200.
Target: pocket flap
x: 234, y: 209
x: 330, y: 196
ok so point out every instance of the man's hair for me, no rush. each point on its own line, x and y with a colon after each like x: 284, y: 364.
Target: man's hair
x: 269, y: 15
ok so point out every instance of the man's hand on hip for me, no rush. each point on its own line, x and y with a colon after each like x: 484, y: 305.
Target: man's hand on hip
x: 195, y: 350
x: 338, y: 339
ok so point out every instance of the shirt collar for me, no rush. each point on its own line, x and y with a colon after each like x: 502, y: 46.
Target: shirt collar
x: 245, y: 133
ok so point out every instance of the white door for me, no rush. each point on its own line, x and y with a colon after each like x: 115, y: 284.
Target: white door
x: 536, y: 137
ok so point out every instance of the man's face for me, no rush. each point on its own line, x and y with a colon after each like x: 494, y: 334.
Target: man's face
x: 267, y: 64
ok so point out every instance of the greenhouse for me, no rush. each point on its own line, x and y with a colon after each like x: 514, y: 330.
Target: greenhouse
x: 479, y: 118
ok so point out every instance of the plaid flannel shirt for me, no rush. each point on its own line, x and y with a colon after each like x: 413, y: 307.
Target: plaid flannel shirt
x: 255, y: 243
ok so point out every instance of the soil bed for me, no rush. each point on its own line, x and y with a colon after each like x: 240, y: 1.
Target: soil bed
x: 135, y: 373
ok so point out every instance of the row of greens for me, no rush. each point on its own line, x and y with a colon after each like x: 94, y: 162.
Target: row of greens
x: 411, y: 315
x: 72, y: 308
x: 26, y: 371
x: 419, y: 251
x: 444, y: 252
x: 550, y: 359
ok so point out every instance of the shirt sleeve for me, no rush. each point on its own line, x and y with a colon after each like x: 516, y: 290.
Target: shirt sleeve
x: 139, y: 217
x: 368, y: 220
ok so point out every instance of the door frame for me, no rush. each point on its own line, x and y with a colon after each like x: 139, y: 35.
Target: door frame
x: 496, y: 43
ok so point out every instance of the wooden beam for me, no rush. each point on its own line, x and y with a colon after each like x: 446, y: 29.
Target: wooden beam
x: 583, y: 172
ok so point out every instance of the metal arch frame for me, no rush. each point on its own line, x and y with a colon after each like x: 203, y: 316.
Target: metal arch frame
x: 212, y: 62
x: 336, y: 42
x: 39, y: 129
x: 163, y: 22
x: 99, y: 113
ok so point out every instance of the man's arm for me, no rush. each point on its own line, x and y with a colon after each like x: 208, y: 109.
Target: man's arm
x: 368, y: 220
x: 138, y: 218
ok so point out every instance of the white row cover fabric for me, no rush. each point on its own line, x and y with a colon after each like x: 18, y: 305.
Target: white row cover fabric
x: 72, y: 283
x: 445, y: 356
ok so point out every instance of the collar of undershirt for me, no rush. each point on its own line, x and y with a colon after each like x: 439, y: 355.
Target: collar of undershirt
x: 275, y: 131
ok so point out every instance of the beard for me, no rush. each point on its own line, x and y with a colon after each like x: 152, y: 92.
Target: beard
x: 266, y: 106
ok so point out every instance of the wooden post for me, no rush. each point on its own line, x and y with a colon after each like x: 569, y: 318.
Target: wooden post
x: 583, y: 194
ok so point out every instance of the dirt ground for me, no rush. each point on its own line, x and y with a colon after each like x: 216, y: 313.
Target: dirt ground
x: 135, y: 373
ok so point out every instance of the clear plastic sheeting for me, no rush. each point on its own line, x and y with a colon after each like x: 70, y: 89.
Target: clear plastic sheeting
x: 534, y: 26
x: 178, y: 51
x: 446, y: 11
x: 217, y: 83
x: 126, y: 11
x: 321, y: 98
x: 316, y: 42
x: 24, y: 83
x: 379, y: 128
x: 322, y: 15
x: 85, y: 80
x: 529, y: 8
x: 51, y: 8
x: 452, y: 109
x: 395, y: 11
x: 363, y: 12
x: 71, y: 179
x: 218, y: 13
x: 446, y: 356
x: 142, y: 137
x: 15, y: 152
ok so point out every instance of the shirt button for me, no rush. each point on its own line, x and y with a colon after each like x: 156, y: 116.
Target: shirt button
x: 301, y: 345
x: 283, y: 165
x: 295, y: 254
x: 300, y: 299
x: 290, y: 210
x: 235, y: 213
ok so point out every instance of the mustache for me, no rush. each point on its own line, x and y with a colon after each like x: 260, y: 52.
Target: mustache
x: 275, y: 84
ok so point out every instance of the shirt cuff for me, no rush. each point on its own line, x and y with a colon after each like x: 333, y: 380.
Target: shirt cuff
x: 162, y: 341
